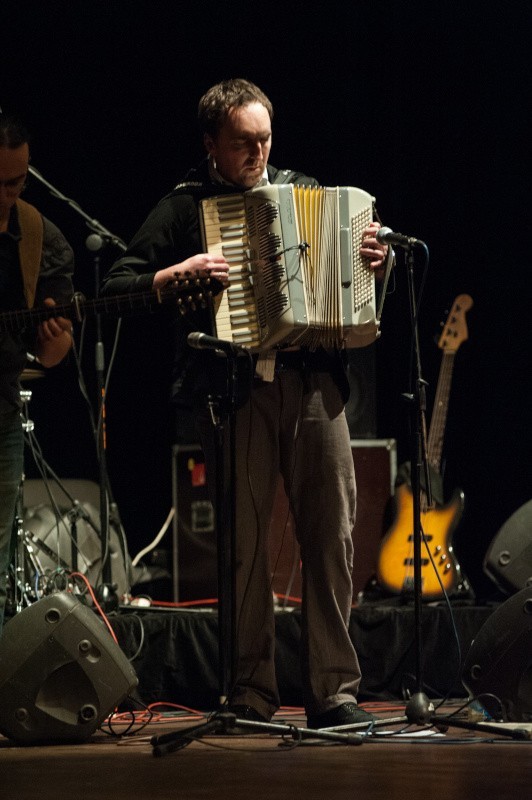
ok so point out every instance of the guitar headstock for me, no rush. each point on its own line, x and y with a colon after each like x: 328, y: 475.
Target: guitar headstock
x: 455, y: 329
x: 190, y: 293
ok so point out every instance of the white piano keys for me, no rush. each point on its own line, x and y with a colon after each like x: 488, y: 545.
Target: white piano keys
x: 224, y: 233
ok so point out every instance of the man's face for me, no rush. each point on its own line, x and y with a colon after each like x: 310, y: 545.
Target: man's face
x: 13, y: 171
x: 242, y: 146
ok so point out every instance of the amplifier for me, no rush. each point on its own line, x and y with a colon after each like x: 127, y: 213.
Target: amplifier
x: 194, y: 530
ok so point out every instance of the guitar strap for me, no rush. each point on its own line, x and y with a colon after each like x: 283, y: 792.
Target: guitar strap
x: 30, y: 247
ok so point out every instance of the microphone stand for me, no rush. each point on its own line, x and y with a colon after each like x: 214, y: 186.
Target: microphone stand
x: 224, y: 422
x: 105, y: 592
x: 99, y: 238
x: 222, y: 409
x: 419, y: 708
x: 92, y: 223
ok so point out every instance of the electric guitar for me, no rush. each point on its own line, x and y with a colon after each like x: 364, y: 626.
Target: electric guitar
x: 395, y: 568
x: 186, y: 293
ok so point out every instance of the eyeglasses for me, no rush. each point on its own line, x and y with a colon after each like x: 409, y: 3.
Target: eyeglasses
x: 14, y: 185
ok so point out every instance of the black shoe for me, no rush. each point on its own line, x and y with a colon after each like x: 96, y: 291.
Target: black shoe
x: 247, y: 713
x: 346, y: 714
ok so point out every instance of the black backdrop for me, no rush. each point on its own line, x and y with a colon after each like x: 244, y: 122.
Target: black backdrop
x: 423, y: 105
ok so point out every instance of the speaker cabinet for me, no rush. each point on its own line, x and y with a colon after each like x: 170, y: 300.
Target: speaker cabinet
x: 61, y: 673
x: 194, y: 533
x: 508, y: 561
x: 361, y: 407
x: 498, y: 667
x: 194, y: 564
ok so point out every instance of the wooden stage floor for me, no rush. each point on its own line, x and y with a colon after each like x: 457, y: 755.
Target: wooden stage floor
x: 458, y: 764
x: 174, y: 654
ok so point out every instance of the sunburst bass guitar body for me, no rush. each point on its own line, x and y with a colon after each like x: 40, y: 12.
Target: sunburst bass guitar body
x: 440, y: 571
x: 395, y: 572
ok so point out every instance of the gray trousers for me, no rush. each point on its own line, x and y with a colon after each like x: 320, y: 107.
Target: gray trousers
x: 295, y: 426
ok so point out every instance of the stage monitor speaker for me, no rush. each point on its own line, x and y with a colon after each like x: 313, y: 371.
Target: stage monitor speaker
x: 508, y: 561
x: 498, y: 667
x: 61, y: 673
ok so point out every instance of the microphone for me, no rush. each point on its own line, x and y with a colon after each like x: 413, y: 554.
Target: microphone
x: 97, y: 241
x: 202, y: 341
x: 94, y: 242
x: 387, y: 236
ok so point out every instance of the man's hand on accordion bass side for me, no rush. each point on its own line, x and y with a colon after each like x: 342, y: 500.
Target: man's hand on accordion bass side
x: 374, y: 250
x: 204, y: 266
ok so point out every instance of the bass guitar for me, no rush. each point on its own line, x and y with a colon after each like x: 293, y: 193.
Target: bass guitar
x: 440, y: 571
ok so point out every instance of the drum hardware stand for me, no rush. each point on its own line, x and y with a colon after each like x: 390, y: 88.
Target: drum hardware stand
x: 24, y: 553
x: 75, y: 513
x: 24, y: 560
x: 100, y: 236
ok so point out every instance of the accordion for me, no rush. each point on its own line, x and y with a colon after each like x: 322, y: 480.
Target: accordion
x: 296, y: 276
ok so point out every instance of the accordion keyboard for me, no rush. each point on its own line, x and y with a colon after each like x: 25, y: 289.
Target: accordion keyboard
x: 224, y: 233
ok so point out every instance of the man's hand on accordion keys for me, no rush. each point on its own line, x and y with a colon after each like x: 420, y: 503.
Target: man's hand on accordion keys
x: 203, y: 267
x: 374, y: 250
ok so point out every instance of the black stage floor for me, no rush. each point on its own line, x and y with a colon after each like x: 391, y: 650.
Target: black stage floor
x: 175, y: 652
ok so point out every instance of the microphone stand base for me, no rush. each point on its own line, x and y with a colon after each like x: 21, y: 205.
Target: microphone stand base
x: 226, y: 722
x: 419, y: 709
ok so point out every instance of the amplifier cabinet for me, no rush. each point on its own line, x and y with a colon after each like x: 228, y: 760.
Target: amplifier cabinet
x: 194, y: 564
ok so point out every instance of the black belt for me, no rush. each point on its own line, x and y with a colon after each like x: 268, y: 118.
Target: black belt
x: 303, y: 359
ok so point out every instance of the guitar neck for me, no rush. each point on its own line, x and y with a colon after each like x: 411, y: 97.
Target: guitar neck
x: 187, y: 294
x: 439, y: 411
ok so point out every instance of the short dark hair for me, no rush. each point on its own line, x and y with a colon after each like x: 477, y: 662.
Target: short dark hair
x: 234, y: 93
x: 13, y: 132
